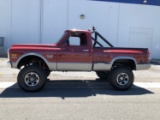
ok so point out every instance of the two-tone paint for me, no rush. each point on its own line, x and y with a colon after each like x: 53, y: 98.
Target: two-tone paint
x: 60, y: 57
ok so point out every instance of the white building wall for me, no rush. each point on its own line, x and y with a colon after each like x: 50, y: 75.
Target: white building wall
x: 44, y: 21
x: 5, y: 22
x: 54, y: 19
x: 139, y: 27
x: 25, y: 21
x: 103, y: 15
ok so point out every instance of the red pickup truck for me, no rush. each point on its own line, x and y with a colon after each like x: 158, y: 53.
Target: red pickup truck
x: 77, y: 50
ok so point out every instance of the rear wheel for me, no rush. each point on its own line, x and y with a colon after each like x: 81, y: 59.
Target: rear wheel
x: 121, y: 78
x: 102, y: 74
x: 31, y: 78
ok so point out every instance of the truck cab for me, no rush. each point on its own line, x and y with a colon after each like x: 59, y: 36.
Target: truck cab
x: 75, y: 52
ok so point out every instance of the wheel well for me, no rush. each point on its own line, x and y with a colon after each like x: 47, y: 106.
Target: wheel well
x: 32, y: 60
x: 125, y: 62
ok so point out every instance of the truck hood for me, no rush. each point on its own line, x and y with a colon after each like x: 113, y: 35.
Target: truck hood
x: 33, y: 45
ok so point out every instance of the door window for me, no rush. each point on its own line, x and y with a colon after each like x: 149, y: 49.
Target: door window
x: 76, y: 39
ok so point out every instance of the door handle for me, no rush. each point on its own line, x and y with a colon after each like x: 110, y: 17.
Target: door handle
x: 85, y: 50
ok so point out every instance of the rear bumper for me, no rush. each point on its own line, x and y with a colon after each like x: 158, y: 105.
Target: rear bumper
x: 143, y: 66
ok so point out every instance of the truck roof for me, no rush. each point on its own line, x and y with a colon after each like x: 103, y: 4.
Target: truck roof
x: 77, y: 30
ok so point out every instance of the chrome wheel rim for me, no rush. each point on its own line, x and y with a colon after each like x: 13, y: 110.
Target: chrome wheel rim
x: 31, y: 79
x: 122, y: 79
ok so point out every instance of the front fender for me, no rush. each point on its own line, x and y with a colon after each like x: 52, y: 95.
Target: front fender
x: 15, y: 64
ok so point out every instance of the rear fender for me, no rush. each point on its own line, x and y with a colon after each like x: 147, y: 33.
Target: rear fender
x: 123, y: 58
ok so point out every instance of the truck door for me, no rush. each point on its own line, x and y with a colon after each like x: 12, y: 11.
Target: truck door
x: 74, y: 54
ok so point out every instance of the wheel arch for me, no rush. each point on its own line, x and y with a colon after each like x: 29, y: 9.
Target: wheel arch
x: 126, y: 61
x: 26, y: 55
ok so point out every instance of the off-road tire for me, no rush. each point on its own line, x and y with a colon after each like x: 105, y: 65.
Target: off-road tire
x: 121, y: 78
x: 31, y: 78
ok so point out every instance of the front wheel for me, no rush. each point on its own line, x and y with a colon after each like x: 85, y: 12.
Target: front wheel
x: 121, y: 78
x: 31, y: 78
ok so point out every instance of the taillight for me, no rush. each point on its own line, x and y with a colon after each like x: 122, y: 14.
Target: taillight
x: 149, y: 55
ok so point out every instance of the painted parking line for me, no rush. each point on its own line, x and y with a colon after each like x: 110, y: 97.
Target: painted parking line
x: 4, y: 85
x: 147, y: 84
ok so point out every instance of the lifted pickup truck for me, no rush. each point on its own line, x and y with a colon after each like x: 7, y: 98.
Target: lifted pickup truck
x: 77, y: 50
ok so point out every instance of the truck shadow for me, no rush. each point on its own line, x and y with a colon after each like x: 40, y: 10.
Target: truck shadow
x: 71, y: 88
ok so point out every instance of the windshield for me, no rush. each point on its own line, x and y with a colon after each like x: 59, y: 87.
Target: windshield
x: 61, y: 37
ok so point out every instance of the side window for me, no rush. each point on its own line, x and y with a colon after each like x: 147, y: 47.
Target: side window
x: 78, y: 39
x: 74, y: 40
